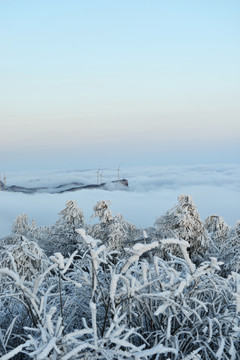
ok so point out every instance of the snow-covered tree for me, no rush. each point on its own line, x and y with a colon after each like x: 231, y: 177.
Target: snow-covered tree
x: 114, y: 231
x: 217, y: 229
x: 62, y: 235
x: 71, y: 216
x: 102, y: 211
x: 230, y: 251
x: 183, y: 222
x: 22, y: 227
x: 237, y: 230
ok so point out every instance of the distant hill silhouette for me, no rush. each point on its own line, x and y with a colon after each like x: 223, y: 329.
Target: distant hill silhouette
x: 74, y: 186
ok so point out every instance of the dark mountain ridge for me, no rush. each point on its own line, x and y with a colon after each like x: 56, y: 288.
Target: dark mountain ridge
x: 74, y: 186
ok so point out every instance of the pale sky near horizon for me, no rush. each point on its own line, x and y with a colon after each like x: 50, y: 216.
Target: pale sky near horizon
x: 98, y: 83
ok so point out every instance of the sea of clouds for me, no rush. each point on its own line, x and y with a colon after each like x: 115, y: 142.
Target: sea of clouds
x: 152, y: 191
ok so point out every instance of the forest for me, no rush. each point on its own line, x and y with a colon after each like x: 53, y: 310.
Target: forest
x: 111, y: 290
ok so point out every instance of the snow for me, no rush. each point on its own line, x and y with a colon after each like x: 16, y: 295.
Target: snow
x: 125, y: 304
x: 58, y: 259
x: 137, y: 250
x: 15, y: 351
x: 158, y: 349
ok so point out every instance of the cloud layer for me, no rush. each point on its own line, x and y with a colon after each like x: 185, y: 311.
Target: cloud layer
x: 152, y: 191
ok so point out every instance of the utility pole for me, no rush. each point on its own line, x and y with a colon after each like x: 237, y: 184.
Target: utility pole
x: 4, y: 182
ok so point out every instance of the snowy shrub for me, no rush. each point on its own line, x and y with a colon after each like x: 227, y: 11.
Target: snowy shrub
x: 27, y: 261
x: 48, y: 338
x: 24, y: 257
x: 116, y: 298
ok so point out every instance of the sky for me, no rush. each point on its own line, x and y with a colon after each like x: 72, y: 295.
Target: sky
x: 96, y: 83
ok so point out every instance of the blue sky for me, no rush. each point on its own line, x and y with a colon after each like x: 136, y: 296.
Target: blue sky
x: 98, y: 83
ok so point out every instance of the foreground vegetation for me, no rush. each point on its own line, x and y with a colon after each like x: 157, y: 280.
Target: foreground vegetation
x: 112, y: 291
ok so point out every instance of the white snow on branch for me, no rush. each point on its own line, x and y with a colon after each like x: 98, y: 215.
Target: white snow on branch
x: 138, y: 250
